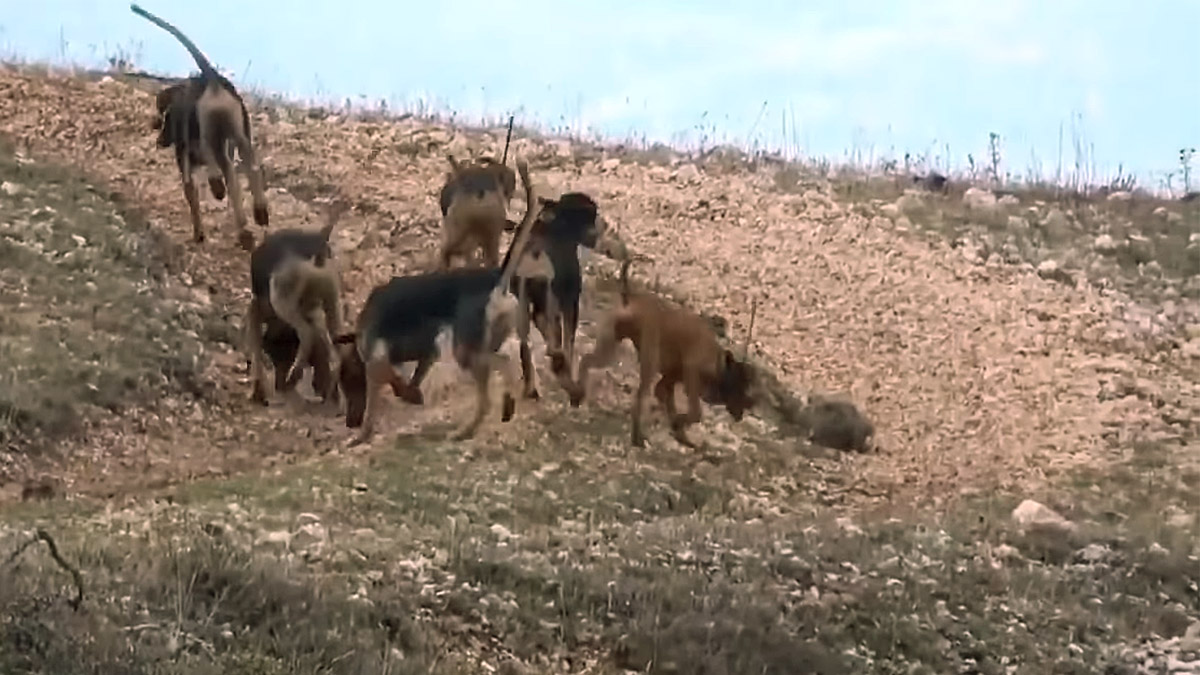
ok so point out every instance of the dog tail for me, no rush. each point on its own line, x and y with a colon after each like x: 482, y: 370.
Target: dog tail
x: 206, y: 68
x: 332, y: 216
x: 625, y: 280
x: 521, y: 239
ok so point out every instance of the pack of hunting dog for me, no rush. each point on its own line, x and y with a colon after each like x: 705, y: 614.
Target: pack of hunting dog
x: 296, y: 318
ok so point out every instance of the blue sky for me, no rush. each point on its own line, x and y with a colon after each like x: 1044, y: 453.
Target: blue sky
x: 822, y: 77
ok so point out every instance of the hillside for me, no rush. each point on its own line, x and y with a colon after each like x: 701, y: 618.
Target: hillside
x: 1027, y: 347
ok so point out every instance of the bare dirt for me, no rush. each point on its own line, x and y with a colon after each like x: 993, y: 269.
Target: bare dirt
x: 547, y: 541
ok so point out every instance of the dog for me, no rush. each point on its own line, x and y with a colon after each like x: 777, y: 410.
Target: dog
x: 294, y: 281
x: 280, y: 344
x: 678, y: 345
x: 402, y: 319
x: 204, y: 118
x: 549, y: 280
x: 474, y: 203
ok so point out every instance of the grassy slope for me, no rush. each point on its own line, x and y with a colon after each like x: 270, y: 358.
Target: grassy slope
x: 537, y: 556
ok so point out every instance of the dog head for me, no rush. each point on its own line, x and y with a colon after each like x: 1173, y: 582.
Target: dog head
x: 351, y: 378
x: 734, y: 386
x: 573, y: 216
x: 165, y: 105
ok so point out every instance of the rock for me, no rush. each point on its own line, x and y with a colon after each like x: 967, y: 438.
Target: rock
x: 1174, y: 218
x: 502, y: 533
x: 1120, y: 196
x: 911, y: 205
x: 978, y: 199
x: 687, y: 173
x: 281, y: 538
x: 1031, y: 515
x: 846, y: 525
x: 1056, y: 221
x: 890, y: 211
x: 610, y: 164
x: 10, y: 189
x: 1191, y: 348
x: 1017, y: 223
x: 903, y: 224
x: 1093, y: 554
x: 1105, y: 244
x: 310, y: 534
x: 1009, y: 201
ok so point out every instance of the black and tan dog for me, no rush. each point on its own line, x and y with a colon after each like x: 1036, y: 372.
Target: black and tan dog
x: 402, y: 319
x: 205, y: 119
x: 678, y: 345
x: 294, y: 281
x: 549, y: 281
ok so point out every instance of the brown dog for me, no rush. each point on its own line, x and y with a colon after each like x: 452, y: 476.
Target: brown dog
x: 676, y: 344
x: 474, y: 203
x: 204, y: 119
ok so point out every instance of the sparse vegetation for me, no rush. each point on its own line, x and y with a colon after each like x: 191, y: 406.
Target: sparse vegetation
x: 549, y: 546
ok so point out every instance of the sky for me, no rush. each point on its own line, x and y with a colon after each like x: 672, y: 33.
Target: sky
x: 839, y: 79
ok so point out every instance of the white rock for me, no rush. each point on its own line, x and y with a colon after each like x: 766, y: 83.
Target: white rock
x: 610, y: 164
x: 311, y: 533
x: 1009, y: 201
x: 1120, y: 196
x: 1030, y: 515
x: 279, y: 538
x: 1105, y: 244
x: 1017, y: 223
x: 1191, y: 348
x: 978, y: 199
x: 1047, y: 267
x: 10, y: 189
x: 848, y: 526
x: 911, y: 205
x: 890, y: 211
x: 1056, y: 219
x: 687, y: 173
x: 502, y: 533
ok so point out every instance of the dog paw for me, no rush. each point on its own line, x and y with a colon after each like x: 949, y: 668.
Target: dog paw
x: 558, y: 363
x: 409, y: 394
x: 245, y: 239
x: 198, y: 237
x: 261, y: 216
x: 217, y: 187
x: 508, y: 408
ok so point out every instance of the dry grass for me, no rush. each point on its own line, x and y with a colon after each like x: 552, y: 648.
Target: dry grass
x: 87, y: 320
x: 247, y: 541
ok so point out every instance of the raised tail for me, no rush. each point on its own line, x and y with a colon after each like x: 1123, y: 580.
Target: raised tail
x: 520, y: 240
x: 206, y: 68
x: 625, y: 280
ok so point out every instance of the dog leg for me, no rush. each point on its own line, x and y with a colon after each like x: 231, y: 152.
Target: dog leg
x: 679, y: 423
x: 216, y: 184
x: 570, y: 324
x: 254, y: 173
x: 216, y: 154
x: 504, y: 364
x: 481, y: 371
x: 648, y: 371
x: 193, y: 201
x: 601, y: 356
x: 412, y: 392
x: 253, y: 344
x: 528, y: 373
x: 379, y: 373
